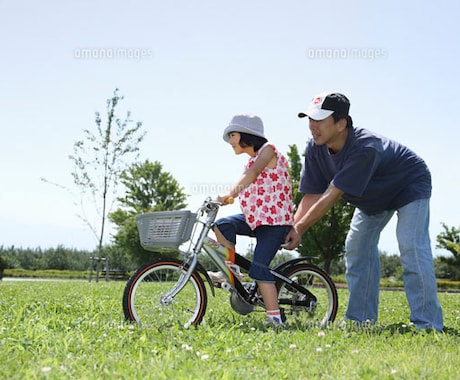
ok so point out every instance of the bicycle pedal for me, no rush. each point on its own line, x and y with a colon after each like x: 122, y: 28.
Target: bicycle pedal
x: 225, y: 285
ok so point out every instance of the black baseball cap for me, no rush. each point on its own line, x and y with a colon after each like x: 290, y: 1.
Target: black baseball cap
x: 325, y: 104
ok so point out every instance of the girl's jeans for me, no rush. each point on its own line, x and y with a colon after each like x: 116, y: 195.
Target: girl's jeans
x: 269, y: 239
x: 363, y: 265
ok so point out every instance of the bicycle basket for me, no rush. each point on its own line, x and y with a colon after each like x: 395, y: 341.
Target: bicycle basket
x: 163, y: 229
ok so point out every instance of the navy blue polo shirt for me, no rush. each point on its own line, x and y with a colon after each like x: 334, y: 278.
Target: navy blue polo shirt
x: 374, y: 172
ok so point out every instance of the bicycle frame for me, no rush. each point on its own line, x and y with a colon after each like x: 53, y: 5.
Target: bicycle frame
x: 218, y: 253
x: 221, y: 255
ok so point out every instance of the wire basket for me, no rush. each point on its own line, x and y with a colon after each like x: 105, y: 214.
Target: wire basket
x: 165, y: 229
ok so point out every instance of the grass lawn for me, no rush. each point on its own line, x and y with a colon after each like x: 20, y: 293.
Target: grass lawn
x: 75, y: 330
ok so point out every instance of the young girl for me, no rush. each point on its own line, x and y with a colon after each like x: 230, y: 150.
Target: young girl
x: 265, y: 196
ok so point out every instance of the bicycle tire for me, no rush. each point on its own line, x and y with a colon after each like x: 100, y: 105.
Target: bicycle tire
x: 320, y: 284
x: 144, y: 289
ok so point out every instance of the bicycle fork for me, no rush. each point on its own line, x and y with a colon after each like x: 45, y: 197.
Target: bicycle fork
x: 167, y: 298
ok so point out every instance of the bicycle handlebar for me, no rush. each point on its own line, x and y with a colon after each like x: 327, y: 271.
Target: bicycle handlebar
x: 210, y: 204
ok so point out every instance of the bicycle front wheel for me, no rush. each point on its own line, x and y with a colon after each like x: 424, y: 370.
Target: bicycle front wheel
x: 144, y: 301
x: 301, y: 309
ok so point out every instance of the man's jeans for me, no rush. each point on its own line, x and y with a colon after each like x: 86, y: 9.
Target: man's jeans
x: 363, y: 265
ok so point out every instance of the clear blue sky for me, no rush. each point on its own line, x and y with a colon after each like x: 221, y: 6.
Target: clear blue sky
x: 186, y: 67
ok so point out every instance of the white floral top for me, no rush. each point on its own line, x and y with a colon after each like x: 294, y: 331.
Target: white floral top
x: 268, y: 199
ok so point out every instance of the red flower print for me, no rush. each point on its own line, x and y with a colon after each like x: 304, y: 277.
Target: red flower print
x: 274, y: 177
x: 270, y: 220
x: 251, y: 218
x: 273, y: 209
x: 259, y: 202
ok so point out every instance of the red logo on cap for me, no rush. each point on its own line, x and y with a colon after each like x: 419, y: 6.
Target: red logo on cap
x: 317, y: 100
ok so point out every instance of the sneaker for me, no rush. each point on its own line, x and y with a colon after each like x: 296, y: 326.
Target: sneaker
x: 275, y: 322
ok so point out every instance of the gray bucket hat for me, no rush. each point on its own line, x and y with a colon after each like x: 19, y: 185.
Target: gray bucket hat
x: 250, y: 124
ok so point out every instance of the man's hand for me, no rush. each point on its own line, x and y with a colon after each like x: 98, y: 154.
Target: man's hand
x: 292, y: 240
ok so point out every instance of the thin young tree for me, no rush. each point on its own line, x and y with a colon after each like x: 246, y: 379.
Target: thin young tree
x: 99, y: 158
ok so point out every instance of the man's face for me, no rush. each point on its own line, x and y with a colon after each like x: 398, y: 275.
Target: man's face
x: 323, y: 131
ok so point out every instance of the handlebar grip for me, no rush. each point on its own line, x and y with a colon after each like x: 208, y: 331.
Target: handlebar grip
x: 229, y: 201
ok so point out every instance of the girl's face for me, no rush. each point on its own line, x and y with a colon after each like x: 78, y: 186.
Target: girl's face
x: 235, y: 142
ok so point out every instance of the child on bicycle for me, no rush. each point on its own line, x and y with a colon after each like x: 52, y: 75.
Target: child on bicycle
x: 265, y: 195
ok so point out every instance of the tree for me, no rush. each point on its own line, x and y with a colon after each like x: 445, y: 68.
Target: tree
x: 295, y: 171
x: 59, y: 258
x: 449, y: 240
x: 99, y: 159
x: 390, y: 265
x: 148, y: 188
x: 3, y: 265
x: 326, y: 237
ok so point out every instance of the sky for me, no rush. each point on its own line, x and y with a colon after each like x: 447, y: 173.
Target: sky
x: 186, y: 67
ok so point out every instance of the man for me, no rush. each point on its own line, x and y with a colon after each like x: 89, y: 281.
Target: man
x: 380, y: 177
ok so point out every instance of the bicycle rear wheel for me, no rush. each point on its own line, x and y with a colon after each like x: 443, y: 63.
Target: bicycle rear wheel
x: 301, y: 310
x: 143, y: 301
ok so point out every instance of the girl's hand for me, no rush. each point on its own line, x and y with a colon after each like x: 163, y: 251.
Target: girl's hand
x: 225, y: 199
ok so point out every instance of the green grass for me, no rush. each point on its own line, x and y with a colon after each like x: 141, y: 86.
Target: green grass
x: 84, y: 275
x: 76, y: 330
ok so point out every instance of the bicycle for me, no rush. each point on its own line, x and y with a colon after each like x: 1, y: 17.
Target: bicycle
x: 173, y: 291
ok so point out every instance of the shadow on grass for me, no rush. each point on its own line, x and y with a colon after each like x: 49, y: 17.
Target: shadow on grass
x: 394, y: 329
x: 451, y: 331
x: 350, y: 327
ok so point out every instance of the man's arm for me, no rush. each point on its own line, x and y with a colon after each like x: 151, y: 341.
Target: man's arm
x: 312, y: 208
